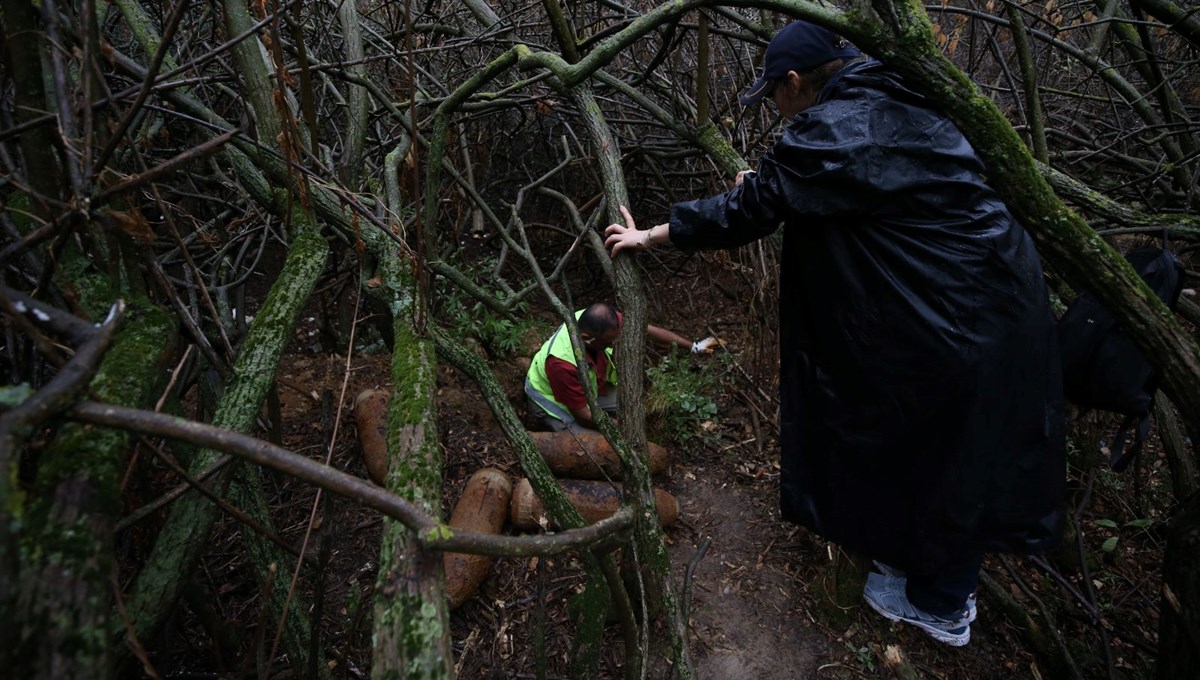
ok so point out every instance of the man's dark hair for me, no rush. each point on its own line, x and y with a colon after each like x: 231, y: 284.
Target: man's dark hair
x: 598, y: 319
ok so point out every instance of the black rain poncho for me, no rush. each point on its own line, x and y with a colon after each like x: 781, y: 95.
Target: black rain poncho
x: 921, y: 397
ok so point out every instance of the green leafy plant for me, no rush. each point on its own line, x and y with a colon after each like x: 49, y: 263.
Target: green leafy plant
x: 680, y: 398
x: 864, y: 655
x: 499, y: 336
x: 1110, y: 543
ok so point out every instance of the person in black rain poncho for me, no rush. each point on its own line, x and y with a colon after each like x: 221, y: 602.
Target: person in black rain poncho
x: 921, y: 395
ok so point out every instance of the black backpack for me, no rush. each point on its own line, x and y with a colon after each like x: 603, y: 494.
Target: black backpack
x: 1103, y: 368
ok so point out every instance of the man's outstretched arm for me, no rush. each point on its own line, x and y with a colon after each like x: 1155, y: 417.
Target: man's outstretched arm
x: 667, y: 338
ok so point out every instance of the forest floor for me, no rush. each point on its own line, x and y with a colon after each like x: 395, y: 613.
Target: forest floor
x: 759, y: 594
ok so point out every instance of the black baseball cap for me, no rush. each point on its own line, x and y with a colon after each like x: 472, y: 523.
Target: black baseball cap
x: 800, y: 46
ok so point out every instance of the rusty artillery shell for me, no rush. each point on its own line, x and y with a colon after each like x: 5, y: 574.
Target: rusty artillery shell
x: 593, y: 500
x: 370, y: 413
x: 587, y: 455
x: 482, y: 508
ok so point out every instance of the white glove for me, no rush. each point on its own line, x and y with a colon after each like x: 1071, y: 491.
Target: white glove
x: 705, y: 346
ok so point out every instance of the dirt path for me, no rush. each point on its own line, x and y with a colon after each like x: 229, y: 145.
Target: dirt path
x: 745, y: 615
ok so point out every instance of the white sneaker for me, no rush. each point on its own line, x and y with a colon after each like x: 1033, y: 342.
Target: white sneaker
x: 892, y: 572
x: 886, y: 595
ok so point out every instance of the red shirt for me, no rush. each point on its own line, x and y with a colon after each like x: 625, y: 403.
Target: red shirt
x: 564, y: 379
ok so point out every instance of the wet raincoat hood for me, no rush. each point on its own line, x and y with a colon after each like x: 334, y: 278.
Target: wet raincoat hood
x: 921, y: 397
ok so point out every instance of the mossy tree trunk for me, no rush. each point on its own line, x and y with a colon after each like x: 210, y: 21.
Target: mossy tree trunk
x: 559, y: 509
x: 651, y: 560
x: 183, y: 539
x: 591, y: 607
x: 64, y: 592
x: 72, y: 498
x: 412, y: 618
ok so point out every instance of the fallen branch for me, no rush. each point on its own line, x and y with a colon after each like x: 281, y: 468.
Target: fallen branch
x: 431, y: 533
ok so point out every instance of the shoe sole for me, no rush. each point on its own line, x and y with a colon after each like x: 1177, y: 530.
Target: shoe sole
x: 943, y: 636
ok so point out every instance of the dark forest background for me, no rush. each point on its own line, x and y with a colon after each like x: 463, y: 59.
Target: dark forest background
x: 200, y: 199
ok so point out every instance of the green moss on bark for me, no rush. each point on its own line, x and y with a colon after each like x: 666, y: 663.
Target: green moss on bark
x: 710, y: 139
x: 415, y: 465
x: 64, y: 606
x: 411, y: 633
x: 91, y: 290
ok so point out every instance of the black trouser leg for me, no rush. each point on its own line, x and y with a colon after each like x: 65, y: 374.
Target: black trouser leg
x: 945, y: 592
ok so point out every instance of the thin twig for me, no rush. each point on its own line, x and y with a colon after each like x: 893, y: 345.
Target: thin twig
x: 163, y: 500
x: 131, y: 637
x: 685, y: 599
x: 167, y: 167
x: 230, y: 509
